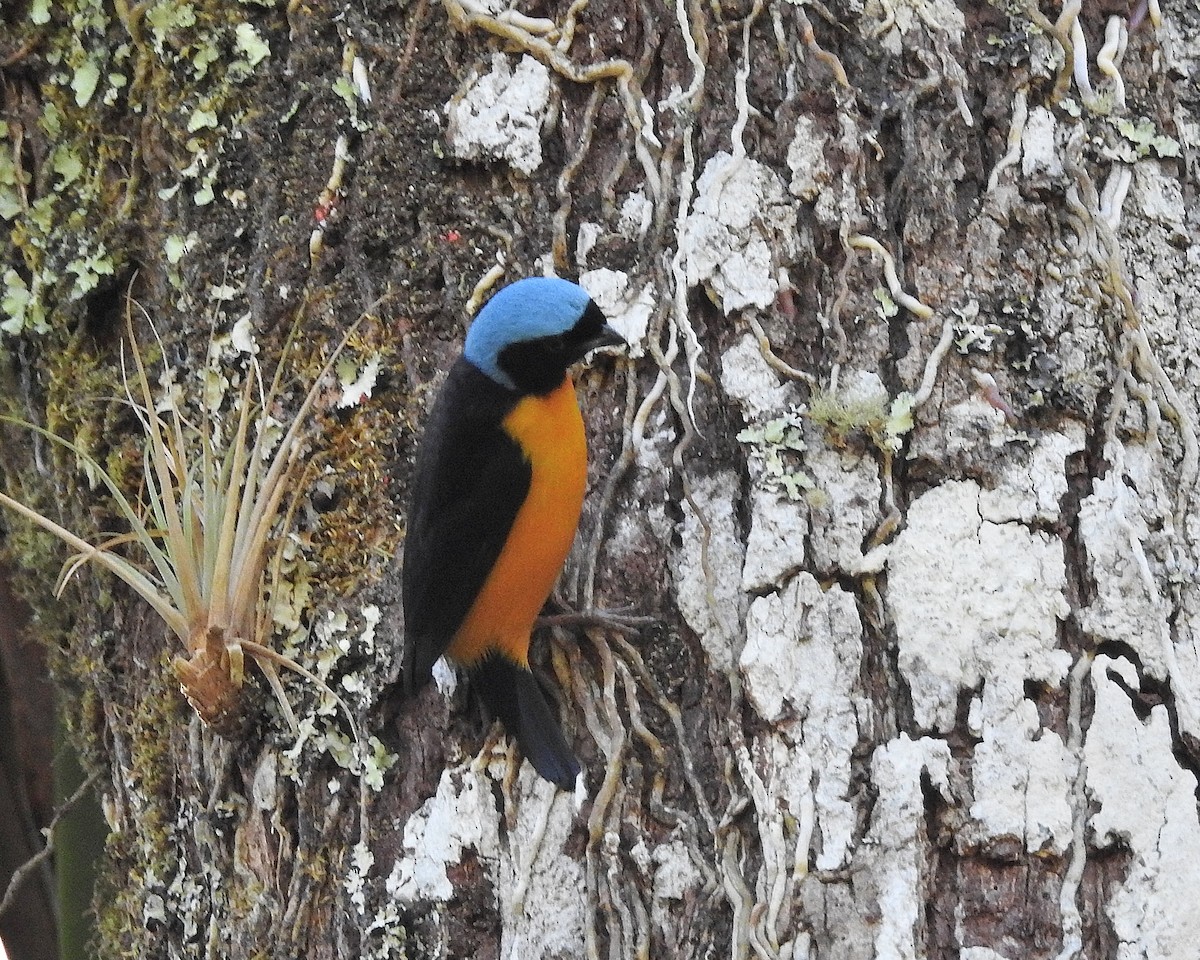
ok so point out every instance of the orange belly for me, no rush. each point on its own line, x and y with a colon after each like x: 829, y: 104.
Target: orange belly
x: 550, y: 431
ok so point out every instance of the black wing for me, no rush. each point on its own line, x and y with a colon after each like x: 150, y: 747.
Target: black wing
x: 471, y: 480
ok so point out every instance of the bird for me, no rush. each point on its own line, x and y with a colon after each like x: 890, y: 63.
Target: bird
x: 499, y: 484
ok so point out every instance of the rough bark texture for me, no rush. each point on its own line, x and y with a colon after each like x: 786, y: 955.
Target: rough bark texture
x: 903, y: 464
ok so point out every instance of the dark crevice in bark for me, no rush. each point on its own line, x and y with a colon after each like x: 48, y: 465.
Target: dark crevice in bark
x: 1152, y: 692
x: 939, y: 916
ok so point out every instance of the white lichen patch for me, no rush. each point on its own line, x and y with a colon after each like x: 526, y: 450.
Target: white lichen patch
x: 775, y: 545
x: 990, y: 591
x: 848, y: 509
x: 1160, y: 198
x: 444, y: 677
x: 357, y: 381
x: 355, y: 881
x: 1041, y: 162
x: 741, y: 227
x: 1021, y: 774
x: 898, y: 17
x: 838, y: 203
x: 973, y: 602
x: 1127, y: 528
x: 626, y: 307
x: 637, y: 213
x: 1146, y: 804
x: 1032, y: 485
x: 892, y: 852
x: 1115, y: 527
x: 980, y: 953
x: 241, y: 337
x: 803, y: 648
x: 656, y: 443
x: 461, y: 816
x: 1163, y: 260
x: 749, y: 380
x: 971, y: 429
x: 541, y: 889
x: 806, y: 160
x: 675, y: 876
x: 500, y: 115
x: 801, y: 667
x: 711, y: 604
x: 585, y: 241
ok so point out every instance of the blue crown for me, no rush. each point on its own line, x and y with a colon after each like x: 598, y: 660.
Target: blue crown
x: 526, y: 310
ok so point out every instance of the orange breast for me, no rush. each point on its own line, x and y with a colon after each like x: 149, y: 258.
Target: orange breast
x: 550, y: 431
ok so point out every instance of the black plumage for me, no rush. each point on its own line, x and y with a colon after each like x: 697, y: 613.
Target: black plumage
x: 470, y: 481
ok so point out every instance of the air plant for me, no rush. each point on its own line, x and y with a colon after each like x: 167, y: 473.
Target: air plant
x: 205, y: 528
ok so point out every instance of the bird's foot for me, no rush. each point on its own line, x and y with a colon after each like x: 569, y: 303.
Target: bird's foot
x: 621, y: 619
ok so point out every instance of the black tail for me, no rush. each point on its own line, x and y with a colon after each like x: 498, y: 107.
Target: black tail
x: 512, y: 693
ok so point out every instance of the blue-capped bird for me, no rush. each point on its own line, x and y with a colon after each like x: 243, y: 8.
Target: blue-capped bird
x: 499, y: 485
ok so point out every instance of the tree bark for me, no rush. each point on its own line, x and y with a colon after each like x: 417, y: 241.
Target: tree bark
x: 901, y: 465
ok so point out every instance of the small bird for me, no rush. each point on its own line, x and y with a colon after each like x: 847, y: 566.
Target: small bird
x: 499, y: 484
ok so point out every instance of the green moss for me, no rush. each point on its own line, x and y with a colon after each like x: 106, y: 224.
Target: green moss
x: 884, y: 423
x: 79, y: 406
x: 160, y: 710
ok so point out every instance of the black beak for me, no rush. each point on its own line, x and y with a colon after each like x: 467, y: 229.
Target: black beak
x: 606, y: 337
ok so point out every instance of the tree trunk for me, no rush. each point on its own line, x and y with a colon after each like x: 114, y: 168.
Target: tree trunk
x: 901, y: 465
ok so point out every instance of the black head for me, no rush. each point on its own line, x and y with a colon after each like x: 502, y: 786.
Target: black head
x: 539, y: 365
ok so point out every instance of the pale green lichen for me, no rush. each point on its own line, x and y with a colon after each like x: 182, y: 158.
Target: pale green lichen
x: 980, y: 337
x: 888, y: 307
x: 201, y: 119
x: 85, y: 81
x: 899, y: 420
x: 92, y: 263
x: 67, y: 164
x: 253, y: 47
x: 166, y: 18
x: 22, y: 309
x: 13, y: 179
x: 71, y: 181
x: 1141, y: 139
x: 775, y: 447
x: 175, y: 246
x: 970, y: 334
x: 318, y: 732
x: 345, y: 89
